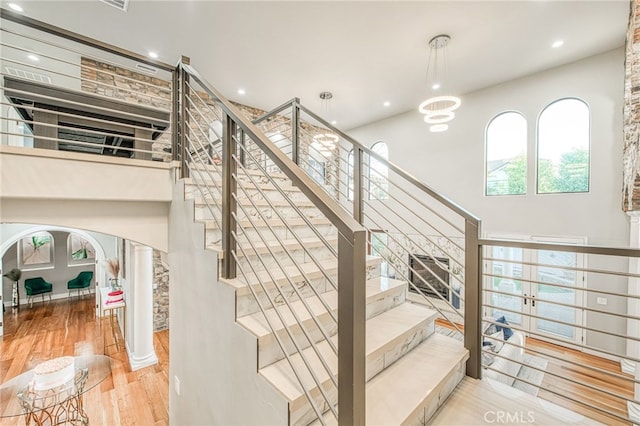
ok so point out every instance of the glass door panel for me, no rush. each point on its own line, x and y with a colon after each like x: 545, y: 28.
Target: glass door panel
x: 506, y: 298
x: 561, y: 290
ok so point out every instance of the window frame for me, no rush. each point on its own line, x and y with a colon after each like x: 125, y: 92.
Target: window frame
x: 537, y: 157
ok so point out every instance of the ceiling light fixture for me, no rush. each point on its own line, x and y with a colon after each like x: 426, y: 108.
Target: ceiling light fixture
x: 33, y: 57
x: 325, y: 143
x: 241, y: 92
x: 153, y: 55
x: 438, y: 109
x: 15, y: 7
x: 557, y: 44
x: 386, y: 103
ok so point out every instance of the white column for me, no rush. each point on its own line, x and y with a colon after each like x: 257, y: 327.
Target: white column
x: 140, y: 309
x: 633, y: 309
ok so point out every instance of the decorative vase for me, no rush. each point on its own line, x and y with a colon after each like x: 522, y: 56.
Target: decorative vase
x: 15, y: 296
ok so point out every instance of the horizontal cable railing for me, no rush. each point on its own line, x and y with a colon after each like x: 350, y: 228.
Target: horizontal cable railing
x: 67, y: 92
x: 422, y: 237
x: 548, y: 296
x: 300, y: 255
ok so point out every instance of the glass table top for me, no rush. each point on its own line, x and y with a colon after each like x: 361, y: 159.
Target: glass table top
x: 98, y: 368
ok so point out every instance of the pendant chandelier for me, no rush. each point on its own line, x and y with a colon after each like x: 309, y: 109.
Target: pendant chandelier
x: 438, y: 109
x: 325, y: 143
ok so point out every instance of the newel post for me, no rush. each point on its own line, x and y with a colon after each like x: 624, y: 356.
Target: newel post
x: 473, y: 298
x: 229, y: 188
x: 351, y: 328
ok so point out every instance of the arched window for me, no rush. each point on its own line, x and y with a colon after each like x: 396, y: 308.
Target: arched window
x: 506, y: 157
x: 350, y: 176
x: 563, y: 147
x: 379, y: 173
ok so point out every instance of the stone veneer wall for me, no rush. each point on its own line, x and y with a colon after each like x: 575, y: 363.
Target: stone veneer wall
x: 160, y: 293
x: 129, y: 86
x: 631, y: 131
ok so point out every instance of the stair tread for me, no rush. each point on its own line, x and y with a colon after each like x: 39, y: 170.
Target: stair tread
x: 381, y: 331
x: 247, y: 185
x: 257, y: 324
x: 396, y: 392
x: 292, y: 271
x: 288, y: 244
x: 248, y: 223
x: 200, y: 201
x: 239, y: 172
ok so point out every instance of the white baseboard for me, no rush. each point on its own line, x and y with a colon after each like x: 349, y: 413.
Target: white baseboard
x: 38, y: 298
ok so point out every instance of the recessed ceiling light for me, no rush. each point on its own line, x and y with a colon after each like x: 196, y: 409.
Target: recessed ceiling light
x: 33, y: 57
x: 386, y: 103
x: 241, y: 92
x: 15, y: 7
x: 334, y: 122
x: 557, y: 44
x: 153, y: 55
x: 435, y: 86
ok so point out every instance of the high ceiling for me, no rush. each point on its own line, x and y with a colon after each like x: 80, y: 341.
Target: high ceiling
x: 366, y: 53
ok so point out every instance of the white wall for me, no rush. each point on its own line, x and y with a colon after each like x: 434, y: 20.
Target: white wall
x: 105, y: 247
x: 453, y: 163
x: 214, y: 359
x: 124, y: 197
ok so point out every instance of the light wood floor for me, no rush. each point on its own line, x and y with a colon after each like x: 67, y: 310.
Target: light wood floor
x: 69, y: 327
x: 571, y: 366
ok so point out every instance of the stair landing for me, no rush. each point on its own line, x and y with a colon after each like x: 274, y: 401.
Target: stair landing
x: 477, y: 402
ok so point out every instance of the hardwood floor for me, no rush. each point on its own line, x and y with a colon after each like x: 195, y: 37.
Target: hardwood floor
x: 567, y: 370
x: 573, y: 365
x: 69, y: 327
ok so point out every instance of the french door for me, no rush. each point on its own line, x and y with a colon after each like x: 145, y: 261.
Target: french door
x: 537, y: 290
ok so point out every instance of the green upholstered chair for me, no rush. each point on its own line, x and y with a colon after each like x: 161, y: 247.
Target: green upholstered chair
x: 35, y: 286
x: 81, y: 282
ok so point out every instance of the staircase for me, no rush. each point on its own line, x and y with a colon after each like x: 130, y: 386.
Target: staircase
x: 286, y: 298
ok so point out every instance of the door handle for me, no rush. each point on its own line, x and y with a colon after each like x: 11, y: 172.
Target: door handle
x: 525, y: 298
x: 533, y: 301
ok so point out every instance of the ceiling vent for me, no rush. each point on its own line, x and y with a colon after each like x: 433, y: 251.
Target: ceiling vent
x: 41, y: 78
x: 118, y: 4
x: 147, y: 68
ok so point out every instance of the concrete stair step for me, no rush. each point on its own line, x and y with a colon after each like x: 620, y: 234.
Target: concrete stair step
x: 390, y: 335
x: 411, y: 390
x: 315, y: 279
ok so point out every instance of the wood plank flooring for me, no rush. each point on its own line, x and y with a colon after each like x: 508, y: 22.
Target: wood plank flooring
x: 573, y: 365
x: 69, y: 327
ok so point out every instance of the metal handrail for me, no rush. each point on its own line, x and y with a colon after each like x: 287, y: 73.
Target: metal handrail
x: 575, y: 248
x: 401, y: 172
x: 88, y: 41
x: 333, y: 211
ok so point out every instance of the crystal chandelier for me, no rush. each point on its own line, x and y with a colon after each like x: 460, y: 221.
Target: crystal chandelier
x: 438, y: 109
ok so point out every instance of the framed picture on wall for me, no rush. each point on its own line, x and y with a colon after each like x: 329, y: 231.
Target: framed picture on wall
x: 79, y: 251
x: 36, y: 251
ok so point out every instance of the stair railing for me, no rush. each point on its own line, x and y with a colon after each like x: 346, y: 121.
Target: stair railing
x: 562, y: 324
x: 66, y: 91
x: 423, y: 237
x: 231, y: 160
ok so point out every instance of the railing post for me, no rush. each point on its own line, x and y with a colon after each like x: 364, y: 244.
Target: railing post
x: 351, y: 328
x: 358, y: 201
x: 184, y: 78
x: 229, y: 187
x: 473, y: 298
x: 175, y: 106
x: 295, y: 134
